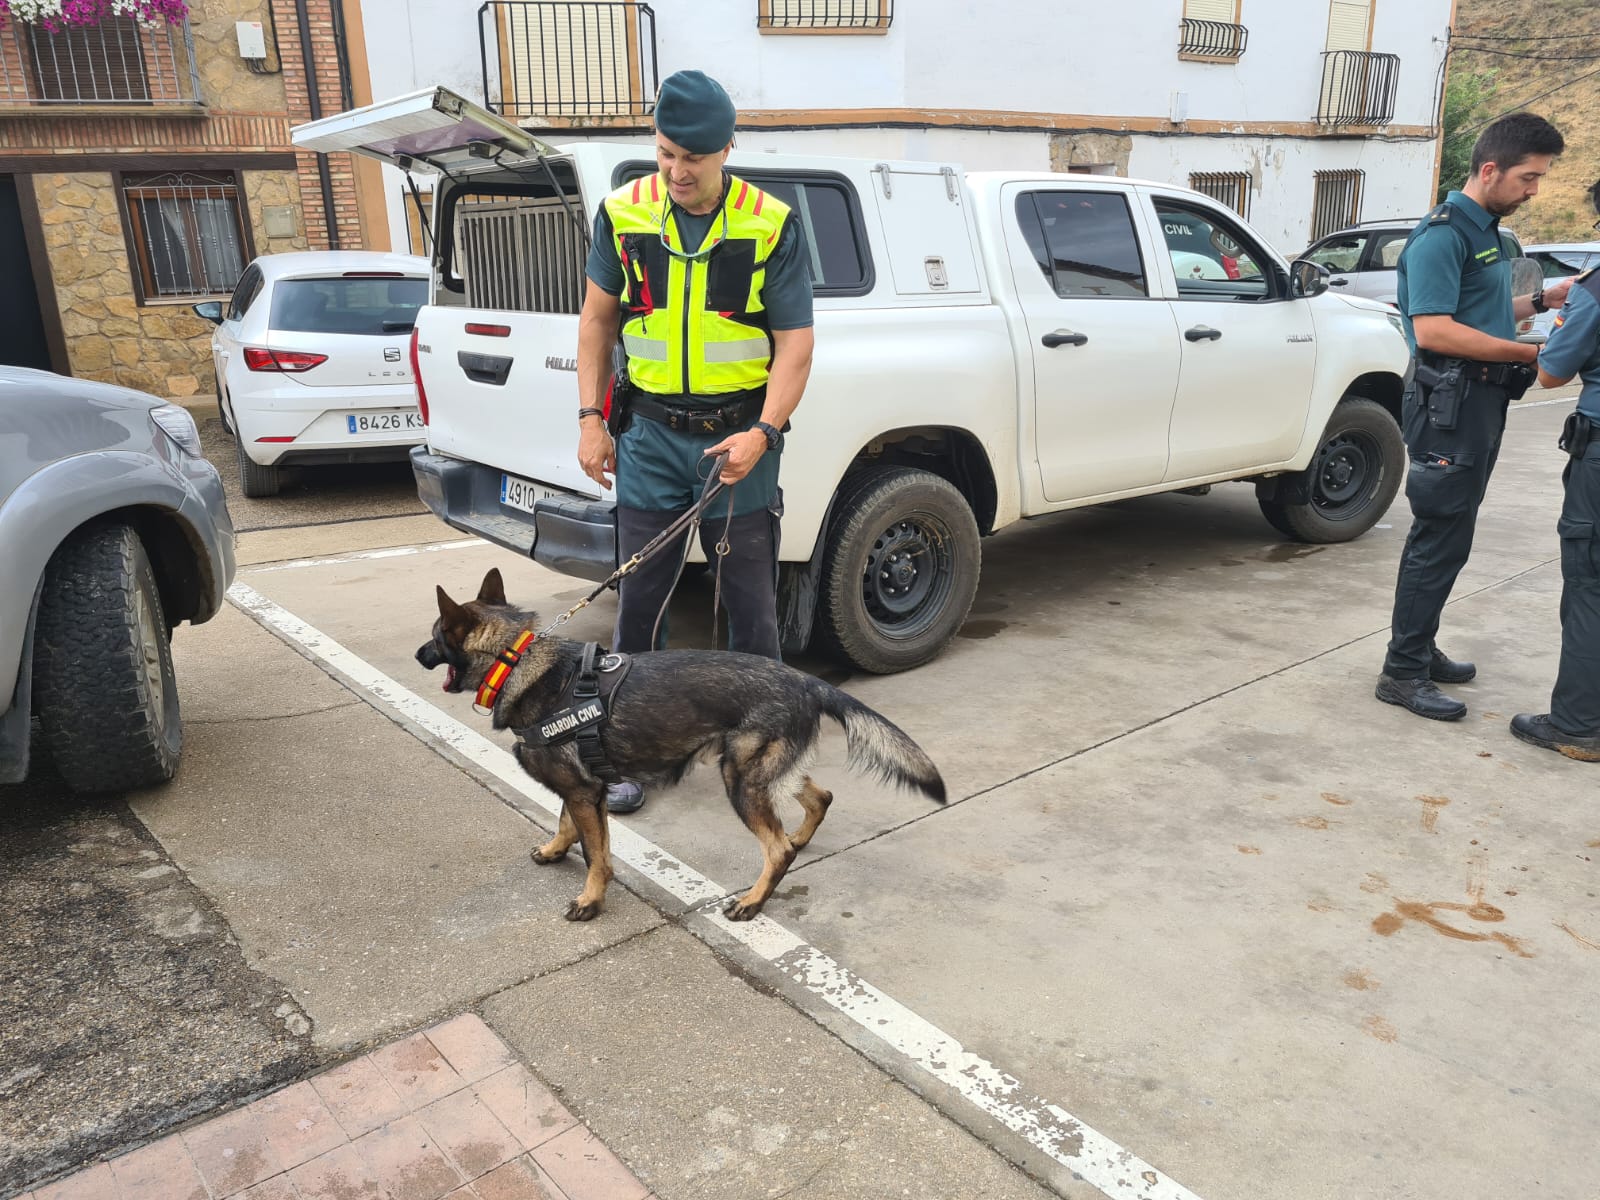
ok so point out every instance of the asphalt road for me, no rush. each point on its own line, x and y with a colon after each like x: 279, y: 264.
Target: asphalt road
x: 1202, y: 917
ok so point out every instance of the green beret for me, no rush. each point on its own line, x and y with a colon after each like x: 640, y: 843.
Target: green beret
x: 693, y: 111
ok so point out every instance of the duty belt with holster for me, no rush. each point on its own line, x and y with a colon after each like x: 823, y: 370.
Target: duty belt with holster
x: 1444, y: 383
x: 1577, y: 434
x: 689, y: 413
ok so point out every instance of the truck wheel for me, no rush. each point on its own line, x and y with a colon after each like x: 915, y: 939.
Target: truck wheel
x: 899, y: 571
x: 255, y: 480
x: 1353, y: 477
x: 107, y: 697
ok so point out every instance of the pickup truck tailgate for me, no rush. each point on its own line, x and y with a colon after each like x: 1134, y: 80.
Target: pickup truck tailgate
x: 502, y: 389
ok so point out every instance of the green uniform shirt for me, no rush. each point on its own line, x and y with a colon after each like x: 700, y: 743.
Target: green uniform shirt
x: 1457, y: 266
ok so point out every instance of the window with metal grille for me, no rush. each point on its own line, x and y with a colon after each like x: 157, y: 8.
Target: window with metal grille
x: 821, y: 16
x: 89, y: 63
x: 1225, y: 187
x: 188, y: 232
x: 1336, y: 201
x: 572, y: 58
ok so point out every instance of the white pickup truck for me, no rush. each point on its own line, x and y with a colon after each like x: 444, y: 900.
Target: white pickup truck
x: 989, y: 347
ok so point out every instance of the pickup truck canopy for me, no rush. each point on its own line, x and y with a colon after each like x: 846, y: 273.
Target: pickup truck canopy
x: 433, y: 130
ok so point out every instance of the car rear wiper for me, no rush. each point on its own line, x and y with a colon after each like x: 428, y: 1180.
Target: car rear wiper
x: 399, y: 326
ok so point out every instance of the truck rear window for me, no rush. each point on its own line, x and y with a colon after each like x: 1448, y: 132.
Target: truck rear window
x: 828, y: 211
x: 359, y: 305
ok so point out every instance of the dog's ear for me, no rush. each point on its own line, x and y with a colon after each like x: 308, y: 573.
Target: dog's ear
x: 457, y: 620
x: 493, y: 590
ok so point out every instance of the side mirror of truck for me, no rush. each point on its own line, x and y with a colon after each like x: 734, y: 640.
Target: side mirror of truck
x: 1307, y: 278
x: 210, y: 310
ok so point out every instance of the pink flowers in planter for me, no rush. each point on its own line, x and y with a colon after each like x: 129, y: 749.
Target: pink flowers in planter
x: 54, y: 15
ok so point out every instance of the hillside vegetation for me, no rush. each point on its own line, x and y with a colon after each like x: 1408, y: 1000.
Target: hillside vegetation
x: 1556, y: 62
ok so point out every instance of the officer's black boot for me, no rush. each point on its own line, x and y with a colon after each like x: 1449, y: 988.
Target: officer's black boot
x: 1538, y: 731
x: 1421, y: 696
x: 1443, y: 670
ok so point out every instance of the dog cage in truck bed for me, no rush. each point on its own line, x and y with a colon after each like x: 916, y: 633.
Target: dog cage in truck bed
x: 519, y: 254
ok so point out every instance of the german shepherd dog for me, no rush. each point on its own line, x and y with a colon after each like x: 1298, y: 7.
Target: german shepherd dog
x: 757, y: 717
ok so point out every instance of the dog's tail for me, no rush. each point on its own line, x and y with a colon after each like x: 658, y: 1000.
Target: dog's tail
x: 879, y: 747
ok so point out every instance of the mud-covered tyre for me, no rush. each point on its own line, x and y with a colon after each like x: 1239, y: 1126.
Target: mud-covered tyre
x: 104, y: 689
x: 255, y: 481
x: 900, y: 569
x: 1353, y: 476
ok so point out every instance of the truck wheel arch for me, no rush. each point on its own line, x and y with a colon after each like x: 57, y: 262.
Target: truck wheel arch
x: 954, y: 454
x: 1381, y: 387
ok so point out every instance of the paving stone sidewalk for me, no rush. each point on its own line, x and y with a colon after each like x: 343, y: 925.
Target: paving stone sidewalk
x: 446, y: 1113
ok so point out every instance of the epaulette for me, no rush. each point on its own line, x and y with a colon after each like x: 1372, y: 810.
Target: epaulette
x: 1442, y: 213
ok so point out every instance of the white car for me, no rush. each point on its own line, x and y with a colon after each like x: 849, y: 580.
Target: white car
x: 312, y: 361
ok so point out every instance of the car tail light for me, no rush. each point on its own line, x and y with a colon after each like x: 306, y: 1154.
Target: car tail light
x: 416, y: 375
x: 488, y: 330
x: 291, y: 361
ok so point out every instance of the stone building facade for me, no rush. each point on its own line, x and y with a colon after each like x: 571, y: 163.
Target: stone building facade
x: 142, y: 167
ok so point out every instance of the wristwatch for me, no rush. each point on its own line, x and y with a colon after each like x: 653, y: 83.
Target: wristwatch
x: 1539, y: 305
x: 773, y: 435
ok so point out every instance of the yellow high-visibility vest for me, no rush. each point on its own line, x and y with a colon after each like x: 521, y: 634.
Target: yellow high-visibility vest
x: 693, y: 318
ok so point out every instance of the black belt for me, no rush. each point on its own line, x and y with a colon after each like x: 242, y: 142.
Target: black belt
x: 699, y: 414
x: 1500, y: 374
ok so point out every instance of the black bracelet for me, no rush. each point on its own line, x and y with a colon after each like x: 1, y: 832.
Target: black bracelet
x: 1539, y: 306
x: 591, y: 412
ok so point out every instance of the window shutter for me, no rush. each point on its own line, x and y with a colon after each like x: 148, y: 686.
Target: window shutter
x: 567, y: 60
x: 1211, y: 10
x: 1347, y: 24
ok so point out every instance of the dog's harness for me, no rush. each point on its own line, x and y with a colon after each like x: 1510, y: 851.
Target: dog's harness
x: 585, y: 704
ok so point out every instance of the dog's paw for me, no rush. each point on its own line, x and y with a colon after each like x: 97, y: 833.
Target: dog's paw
x: 578, y: 911
x: 539, y: 856
x: 738, y: 910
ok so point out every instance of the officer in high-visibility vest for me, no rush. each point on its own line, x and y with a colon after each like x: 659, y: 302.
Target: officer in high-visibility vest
x: 707, y: 280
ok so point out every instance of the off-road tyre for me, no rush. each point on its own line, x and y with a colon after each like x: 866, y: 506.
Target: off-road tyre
x: 255, y: 481
x: 105, y: 691
x: 1354, y: 475
x: 899, y: 571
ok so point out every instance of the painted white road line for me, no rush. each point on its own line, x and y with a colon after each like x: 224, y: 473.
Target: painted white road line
x: 1095, y: 1158
x: 295, y: 564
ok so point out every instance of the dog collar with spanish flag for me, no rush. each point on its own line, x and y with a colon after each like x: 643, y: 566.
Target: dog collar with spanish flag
x: 504, y: 662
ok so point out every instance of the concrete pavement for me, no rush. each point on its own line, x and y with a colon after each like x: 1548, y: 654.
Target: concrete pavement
x: 1198, y: 894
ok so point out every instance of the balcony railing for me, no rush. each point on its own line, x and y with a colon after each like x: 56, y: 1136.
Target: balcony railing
x: 569, y: 59
x: 117, y: 62
x: 825, y: 15
x: 1212, y: 39
x: 1358, y: 88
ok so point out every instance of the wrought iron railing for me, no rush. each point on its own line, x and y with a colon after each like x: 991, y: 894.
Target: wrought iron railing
x: 117, y: 62
x: 1358, y: 87
x: 1212, y: 39
x: 1226, y: 187
x: 1335, y: 200
x: 568, y: 58
x: 825, y: 14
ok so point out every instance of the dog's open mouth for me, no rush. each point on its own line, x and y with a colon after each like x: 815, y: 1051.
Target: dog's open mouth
x: 449, y: 678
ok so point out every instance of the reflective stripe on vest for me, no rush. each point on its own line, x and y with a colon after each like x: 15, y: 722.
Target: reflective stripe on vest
x: 695, y: 325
